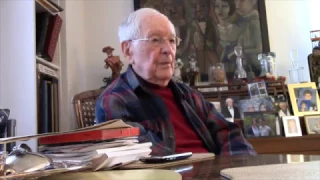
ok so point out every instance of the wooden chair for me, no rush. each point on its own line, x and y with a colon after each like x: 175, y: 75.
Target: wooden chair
x: 84, y: 107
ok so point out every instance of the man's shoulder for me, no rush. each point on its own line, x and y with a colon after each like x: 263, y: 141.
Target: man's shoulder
x: 118, y: 87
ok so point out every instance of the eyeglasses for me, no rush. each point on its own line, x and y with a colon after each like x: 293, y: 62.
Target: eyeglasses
x: 157, y: 41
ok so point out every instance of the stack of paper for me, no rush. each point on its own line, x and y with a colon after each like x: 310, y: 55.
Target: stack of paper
x: 119, y: 152
x: 110, y: 144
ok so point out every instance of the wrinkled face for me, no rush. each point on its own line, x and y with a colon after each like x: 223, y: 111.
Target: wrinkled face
x: 221, y: 9
x: 154, y: 61
x: 244, y: 6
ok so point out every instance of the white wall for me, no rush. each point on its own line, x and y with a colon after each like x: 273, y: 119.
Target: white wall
x: 102, y: 21
x: 289, y: 26
x: 89, y: 26
x: 17, y: 64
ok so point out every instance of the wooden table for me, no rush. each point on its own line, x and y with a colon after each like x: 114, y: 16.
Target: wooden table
x: 211, y: 169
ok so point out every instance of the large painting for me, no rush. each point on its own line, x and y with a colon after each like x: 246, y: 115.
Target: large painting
x: 210, y: 29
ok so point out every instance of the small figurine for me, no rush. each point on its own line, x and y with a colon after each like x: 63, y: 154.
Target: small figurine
x: 192, y: 70
x: 177, y: 70
x: 113, y: 62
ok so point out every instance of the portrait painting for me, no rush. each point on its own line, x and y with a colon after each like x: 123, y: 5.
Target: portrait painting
x: 304, y: 99
x: 210, y: 29
x: 313, y: 124
x: 261, y: 104
x: 291, y: 126
x: 259, y: 124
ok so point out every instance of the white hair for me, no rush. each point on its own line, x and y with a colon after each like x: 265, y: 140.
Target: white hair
x: 130, y: 27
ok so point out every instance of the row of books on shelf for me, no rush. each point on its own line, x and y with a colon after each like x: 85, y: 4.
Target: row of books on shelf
x: 48, y: 99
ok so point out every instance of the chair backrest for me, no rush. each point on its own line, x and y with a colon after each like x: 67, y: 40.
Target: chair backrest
x: 84, y: 107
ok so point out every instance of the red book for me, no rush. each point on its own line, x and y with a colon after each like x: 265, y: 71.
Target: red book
x: 91, y: 135
x: 52, y: 36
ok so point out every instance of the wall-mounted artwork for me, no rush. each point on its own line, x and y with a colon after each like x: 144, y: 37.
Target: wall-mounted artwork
x: 210, y: 29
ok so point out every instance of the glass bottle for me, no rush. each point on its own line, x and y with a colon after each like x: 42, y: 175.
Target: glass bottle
x: 268, y: 63
x: 240, y: 72
x: 295, y: 72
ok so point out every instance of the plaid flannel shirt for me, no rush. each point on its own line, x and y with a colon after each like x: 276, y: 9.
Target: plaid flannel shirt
x: 130, y: 99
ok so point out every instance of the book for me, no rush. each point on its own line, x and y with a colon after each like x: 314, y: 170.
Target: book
x: 111, y: 124
x: 93, y: 135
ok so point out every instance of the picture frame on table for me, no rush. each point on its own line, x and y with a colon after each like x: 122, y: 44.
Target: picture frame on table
x: 281, y: 105
x: 257, y: 89
x: 312, y: 124
x: 304, y: 99
x: 230, y: 107
x: 291, y: 125
x: 261, y: 104
x: 211, y: 37
x: 261, y: 124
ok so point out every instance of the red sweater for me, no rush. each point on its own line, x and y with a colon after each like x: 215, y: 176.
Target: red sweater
x: 186, y: 138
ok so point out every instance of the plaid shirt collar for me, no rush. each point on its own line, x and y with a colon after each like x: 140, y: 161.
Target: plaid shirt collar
x: 136, y: 82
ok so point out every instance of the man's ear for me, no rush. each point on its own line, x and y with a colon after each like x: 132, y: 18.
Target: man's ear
x: 126, y: 50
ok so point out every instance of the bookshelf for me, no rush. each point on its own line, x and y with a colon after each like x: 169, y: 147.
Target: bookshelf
x: 48, y: 60
x: 19, y: 63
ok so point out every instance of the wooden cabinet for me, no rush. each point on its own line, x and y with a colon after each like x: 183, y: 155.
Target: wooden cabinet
x: 307, y: 144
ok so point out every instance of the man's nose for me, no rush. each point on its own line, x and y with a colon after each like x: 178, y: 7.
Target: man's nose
x: 167, y: 47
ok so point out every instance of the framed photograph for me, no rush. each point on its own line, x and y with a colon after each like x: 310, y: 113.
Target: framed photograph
x: 261, y: 104
x: 230, y: 108
x: 291, y: 126
x: 313, y: 124
x: 257, y: 89
x: 304, y: 99
x: 281, y: 105
x: 211, y: 35
x: 261, y: 124
x: 217, y: 105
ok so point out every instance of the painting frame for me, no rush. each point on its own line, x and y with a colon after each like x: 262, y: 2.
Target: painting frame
x: 271, y: 122
x: 294, y: 100
x: 260, y: 6
x: 285, y: 122
x: 307, y: 120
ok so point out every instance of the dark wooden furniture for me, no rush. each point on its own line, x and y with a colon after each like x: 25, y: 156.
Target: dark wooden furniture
x: 308, y: 144
x: 240, y: 89
x: 210, y: 169
x: 84, y: 107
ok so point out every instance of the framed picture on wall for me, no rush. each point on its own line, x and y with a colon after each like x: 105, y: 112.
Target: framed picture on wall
x: 210, y: 36
x: 304, y: 99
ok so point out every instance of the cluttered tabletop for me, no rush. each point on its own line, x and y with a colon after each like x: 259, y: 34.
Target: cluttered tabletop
x: 111, y: 150
x: 217, y: 167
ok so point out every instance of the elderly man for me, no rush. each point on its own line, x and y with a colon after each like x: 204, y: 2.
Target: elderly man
x: 174, y: 117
